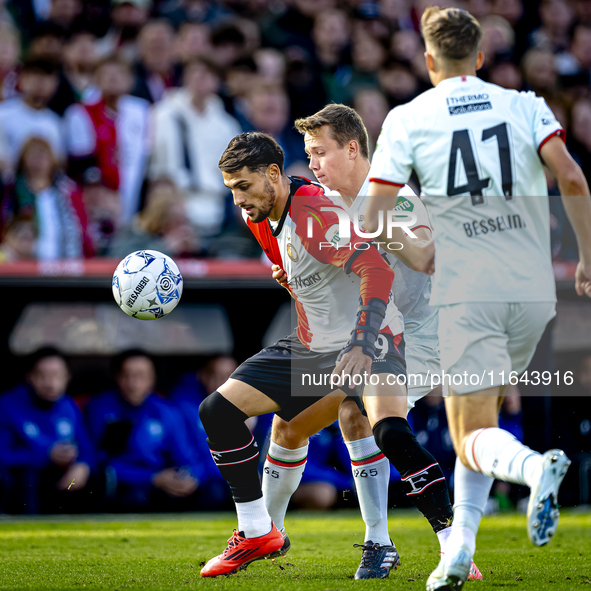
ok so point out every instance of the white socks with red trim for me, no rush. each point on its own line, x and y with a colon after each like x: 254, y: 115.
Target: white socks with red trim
x: 281, y: 477
x: 253, y: 518
x: 371, y: 472
x: 497, y: 453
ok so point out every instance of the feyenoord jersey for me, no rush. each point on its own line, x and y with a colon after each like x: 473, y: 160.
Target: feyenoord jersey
x: 475, y: 148
x: 411, y: 290
x: 326, y: 296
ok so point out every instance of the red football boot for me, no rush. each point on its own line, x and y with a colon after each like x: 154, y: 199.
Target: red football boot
x: 242, y: 551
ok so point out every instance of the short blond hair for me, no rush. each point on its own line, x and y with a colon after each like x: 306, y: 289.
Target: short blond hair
x: 454, y: 33
x: 344, y: 123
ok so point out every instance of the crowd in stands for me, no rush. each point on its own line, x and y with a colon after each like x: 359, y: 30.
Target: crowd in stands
x: 114, y: 113
x: 131, y: 448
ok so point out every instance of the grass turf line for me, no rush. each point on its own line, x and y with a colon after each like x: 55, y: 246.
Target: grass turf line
x: 166, y: 552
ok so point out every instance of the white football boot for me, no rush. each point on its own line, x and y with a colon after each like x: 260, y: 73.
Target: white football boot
x: 452, y: 571
x: 542, y: 509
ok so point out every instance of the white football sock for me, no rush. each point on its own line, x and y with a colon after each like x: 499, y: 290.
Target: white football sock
x: 253, y: 518
x: 281, y: 477
x: 471, y: 491
x: 442, y: 536
x: 497, y: 453
x: 371, y: 472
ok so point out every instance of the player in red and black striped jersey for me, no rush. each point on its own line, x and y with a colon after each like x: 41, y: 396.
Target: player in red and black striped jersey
x: 347, y: 327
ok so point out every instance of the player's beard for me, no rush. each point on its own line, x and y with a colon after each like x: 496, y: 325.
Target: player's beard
x: 267, y: 203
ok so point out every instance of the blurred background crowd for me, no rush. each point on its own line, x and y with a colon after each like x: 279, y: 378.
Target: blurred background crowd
x: 138, y: 446
x: 113, y: 114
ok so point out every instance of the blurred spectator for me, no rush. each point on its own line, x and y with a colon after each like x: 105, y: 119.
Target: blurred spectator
x: 193, y: 11
x: 141, y: 440
x: 28, y: 115
x: 510, y: 10
x: 498, y: 38
x: 369, y: 54
x: 327, y: 473
x: 372, y: 107
x: 18, y: 241
x: 9, y: 57
x: 102, y: 207
x: 155, y: 70
x: 192, y: 129
x: 192, y: 40
x: 506, y: 74
x: 47, y: 39
x: 193, y: 387
x: 539, y: 72
x: 76, y: 74
x: 269, y: 112
x: 44, y: 193
x: 581, y: 135
x: 270, y: 66
x: 46, y: 454
x: 294, y: 26
x: 406, y: 45
x: 396, y: 13
x: 65, y: 12
x: 127, y: 18
x: 241, y: 78
x: 578, y: 59
x: 303, y: 82
x: 112, y: 135
x: 228, y: 44
x: 398, y: 82
x: 80, y: 59
x: 553, y: 34
x: 332, y: 40
x: 162, y: 225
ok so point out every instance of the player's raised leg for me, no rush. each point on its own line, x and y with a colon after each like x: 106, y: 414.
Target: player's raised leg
x: 235, y: 453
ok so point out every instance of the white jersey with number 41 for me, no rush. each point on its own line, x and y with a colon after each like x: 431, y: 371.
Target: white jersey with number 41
x: 475, y: 148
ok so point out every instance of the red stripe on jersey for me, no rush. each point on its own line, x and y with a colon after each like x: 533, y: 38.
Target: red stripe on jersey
x: 303, y: 329
x: 417, y: 227
x: 559, y: 132
x: 383, y: 182
x: 397, y: 340
x: 268, y: 242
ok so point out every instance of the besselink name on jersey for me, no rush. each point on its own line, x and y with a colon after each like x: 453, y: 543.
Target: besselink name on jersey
x: 498, y: 224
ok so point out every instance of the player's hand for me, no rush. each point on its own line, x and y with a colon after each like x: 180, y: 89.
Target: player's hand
x: 75, y: 478
x: 63, y: 454
x: 175, y: 483
x: 424, y: 257
x: 583, y: 279
x: 354, y: 362
x: 279, y: 275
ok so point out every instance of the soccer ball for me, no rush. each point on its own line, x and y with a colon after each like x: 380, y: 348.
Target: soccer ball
x: 147, y: 285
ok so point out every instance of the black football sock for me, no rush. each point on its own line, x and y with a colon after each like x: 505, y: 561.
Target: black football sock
x: 232, y: 446
x: 419, y: 470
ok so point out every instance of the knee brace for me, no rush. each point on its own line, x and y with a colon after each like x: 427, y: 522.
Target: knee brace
x: 221, y: 419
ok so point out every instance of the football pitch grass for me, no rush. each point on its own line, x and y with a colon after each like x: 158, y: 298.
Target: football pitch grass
x: 159, y: 552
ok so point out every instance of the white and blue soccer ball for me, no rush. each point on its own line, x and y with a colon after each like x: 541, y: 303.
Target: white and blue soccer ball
x: 147, y: 285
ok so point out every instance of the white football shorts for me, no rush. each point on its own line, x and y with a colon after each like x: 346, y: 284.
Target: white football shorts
x: 485, y: 341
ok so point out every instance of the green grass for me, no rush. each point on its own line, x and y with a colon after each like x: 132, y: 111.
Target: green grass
x: 165, y: 552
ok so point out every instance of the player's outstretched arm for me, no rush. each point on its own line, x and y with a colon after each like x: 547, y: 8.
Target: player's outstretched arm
x: 577, y: 204
x: 417, y: 254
